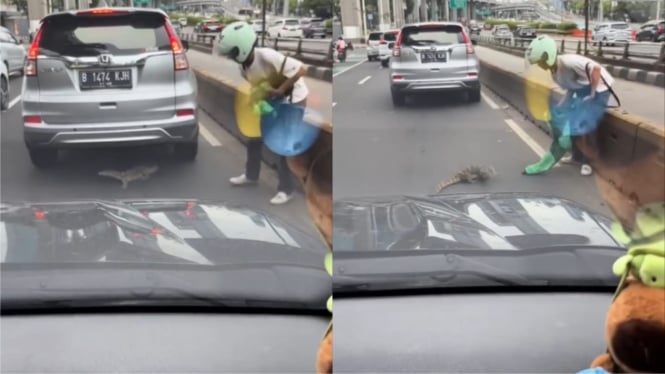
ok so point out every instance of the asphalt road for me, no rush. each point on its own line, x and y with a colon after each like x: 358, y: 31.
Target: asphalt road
x: 220, y: 157
x: 380, y: 150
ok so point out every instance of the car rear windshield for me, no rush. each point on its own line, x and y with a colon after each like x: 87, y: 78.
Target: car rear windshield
x: 212, y: 23
x: 389, y: 37
x: 437, y: 34
x: 292, y: 22
x: 80, y: 36
x: 375, y: 36
x: 620, y: 26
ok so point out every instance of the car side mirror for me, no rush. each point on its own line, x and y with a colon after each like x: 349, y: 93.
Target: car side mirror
x: 185, y: 45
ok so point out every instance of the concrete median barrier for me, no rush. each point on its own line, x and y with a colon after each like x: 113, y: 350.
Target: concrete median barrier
x: 623, y: 138
x: 217, y: 98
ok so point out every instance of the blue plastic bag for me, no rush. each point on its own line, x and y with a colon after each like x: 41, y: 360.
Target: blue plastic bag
x: 285, y: 131
x: 576, y: 117
x: 594, y: 371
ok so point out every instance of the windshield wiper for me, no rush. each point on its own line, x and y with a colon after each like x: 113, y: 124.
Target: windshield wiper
x: 437, y: 271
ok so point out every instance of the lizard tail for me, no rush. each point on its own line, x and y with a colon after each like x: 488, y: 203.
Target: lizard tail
x: 447, y: 183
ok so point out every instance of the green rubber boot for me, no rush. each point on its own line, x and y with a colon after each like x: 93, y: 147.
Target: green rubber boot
x: 545, y: 164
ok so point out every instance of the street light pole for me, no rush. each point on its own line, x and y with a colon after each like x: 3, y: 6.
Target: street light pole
x: 263, y: 25
x: 586, y: 26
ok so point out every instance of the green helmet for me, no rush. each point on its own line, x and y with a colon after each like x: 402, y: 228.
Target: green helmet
x: 237, y: 41
x: 540, y: 46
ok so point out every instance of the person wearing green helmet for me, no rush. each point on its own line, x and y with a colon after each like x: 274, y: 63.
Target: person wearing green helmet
x: 588, y: 86
x: 283, y: 77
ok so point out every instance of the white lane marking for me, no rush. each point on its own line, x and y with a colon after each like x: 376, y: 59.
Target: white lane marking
x: 349, y: 68
x: 208, y: 136
x: 362, y: 81
x: 13, y: 102
x: 526, y: 138
x: 489, y: 101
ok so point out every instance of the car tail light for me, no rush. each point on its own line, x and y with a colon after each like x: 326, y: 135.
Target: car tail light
x: 382, y: 42
x: 397, y: 77
x: 179, y: 57
x: 398, y: 45
x: 469, y: 46
x: 102, y: 12
x: 473, y: 74
x: 659, y: 29
x: 184, y: 112
x: 32, y: 119
x: 33, y: 52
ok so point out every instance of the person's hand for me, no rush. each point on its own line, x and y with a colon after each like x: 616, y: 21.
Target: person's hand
x: 277, y: 93
x: 589, y: 98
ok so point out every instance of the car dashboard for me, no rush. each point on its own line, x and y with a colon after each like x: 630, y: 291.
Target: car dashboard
x: 470, y: 333
x: 160, y: 342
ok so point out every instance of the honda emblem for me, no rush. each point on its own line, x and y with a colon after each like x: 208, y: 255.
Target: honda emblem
x: 105, y: 59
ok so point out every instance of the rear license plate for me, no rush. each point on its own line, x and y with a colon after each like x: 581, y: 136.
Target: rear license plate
x: 98, y: 79
x: 433, y: 56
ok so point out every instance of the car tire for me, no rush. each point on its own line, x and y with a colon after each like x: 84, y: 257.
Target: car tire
x: 4, y: 93
x: 398, y: 99
x: 186, y: 152
x: 474, y: 95
x: 43, y: 158
x: 385, y: 63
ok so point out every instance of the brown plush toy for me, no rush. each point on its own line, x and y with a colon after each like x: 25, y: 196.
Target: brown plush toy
x: 633, y: 186
x: 635, y: 331
x: 314, y: 170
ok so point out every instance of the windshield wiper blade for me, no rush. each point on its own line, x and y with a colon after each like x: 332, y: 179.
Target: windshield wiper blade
x: 450, y: 268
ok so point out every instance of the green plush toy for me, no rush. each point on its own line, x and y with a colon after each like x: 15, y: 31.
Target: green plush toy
x: 645, y: 259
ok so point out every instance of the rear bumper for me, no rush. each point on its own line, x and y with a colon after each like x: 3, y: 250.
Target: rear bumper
x: 434, y: 85
x: 173, y: 130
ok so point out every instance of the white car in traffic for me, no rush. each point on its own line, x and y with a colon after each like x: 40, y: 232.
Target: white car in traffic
x: 12, y: 51
x: 285, y: 28
x: 4, y: 86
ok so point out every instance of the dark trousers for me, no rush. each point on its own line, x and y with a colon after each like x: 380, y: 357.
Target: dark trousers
x: 577, y: 155
x: 253, y: 165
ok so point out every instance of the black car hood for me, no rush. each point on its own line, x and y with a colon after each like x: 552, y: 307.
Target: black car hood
x: 497, y: 221
x: 187, y: 232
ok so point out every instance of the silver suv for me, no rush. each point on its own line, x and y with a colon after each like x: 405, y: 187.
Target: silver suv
x: 106, y: 78
x: 431, y: 57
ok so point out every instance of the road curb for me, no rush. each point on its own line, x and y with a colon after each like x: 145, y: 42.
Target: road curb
x: 653, y: 78
x: 317, y: 72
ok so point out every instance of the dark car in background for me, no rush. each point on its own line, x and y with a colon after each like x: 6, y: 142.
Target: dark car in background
x: 315, y: 29
x: 524, y: 34
x: 652, y: 31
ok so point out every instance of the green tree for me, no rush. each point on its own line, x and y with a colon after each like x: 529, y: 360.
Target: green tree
x: 321, y: 8
x: 21, y: 5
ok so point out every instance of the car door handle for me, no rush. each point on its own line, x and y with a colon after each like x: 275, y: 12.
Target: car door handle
x: 108, y: 106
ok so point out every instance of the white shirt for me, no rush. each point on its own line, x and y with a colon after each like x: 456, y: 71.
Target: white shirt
x: 267, y: 63
x: 571, y: 73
